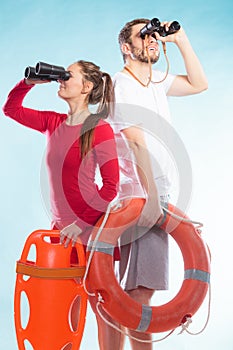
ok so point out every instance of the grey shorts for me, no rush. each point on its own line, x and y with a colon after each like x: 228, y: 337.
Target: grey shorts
x: 144, y: 262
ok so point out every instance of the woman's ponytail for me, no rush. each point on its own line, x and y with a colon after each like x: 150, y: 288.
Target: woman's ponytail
x: 102, y: 94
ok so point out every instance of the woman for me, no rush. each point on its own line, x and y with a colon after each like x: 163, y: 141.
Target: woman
x: 78, y: 142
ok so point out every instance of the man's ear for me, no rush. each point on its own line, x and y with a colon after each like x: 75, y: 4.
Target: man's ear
x: 87, y: 87
x: 126, y: 49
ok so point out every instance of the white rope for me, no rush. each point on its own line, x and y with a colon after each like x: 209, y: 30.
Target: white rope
x: 94, y: 245
x: 189, y: 320
x: 115, y: 203
x: 180, y: 218
x: 100, y: 300
x: 184, y: 326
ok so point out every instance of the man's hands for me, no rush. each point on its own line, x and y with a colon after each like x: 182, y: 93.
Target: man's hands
x: 176, y: 37
x: 151, y: 214
x: 70, y: 234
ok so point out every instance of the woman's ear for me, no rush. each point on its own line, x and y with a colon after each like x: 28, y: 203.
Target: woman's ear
x: 87, y: 87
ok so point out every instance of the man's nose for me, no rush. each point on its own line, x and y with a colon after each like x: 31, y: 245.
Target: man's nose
x: 152, y: 38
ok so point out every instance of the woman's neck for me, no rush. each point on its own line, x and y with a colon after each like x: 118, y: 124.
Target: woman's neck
x: 77, y: 116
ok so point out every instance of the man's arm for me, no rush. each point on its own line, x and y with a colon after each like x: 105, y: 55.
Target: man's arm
x: 195, y: 81
x: 152, y: 211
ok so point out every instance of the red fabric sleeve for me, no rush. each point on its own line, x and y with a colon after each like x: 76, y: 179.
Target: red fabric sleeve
x: 37, y: 120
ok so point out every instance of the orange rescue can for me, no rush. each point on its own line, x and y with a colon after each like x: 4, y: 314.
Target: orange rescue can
x: 52, y: 287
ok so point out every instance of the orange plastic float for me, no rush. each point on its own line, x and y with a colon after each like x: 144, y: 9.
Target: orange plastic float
x: 54, y: 293
x: 101, y: 279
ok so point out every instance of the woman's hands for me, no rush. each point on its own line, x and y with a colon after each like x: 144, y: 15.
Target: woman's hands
x: 34, y: 82
x: 70, y: 234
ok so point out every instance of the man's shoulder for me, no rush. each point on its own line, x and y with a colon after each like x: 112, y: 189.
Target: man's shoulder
x: 123, y: 82
x: 118, y: 76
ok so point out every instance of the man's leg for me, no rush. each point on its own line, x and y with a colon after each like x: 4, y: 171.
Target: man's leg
x: 143, y: 296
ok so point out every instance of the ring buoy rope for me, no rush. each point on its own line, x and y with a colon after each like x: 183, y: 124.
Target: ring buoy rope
x: 118, y: 304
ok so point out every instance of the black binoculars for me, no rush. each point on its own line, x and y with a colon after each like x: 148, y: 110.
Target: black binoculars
x: 46, y: 71
x: 155, y: 26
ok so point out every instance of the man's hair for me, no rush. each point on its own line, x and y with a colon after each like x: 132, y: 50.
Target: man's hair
x: 126, y: 32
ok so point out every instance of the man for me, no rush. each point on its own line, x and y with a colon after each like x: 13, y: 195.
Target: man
x: 141, y: 91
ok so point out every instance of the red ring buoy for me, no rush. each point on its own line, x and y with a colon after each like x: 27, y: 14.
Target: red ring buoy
x: 122, y: 308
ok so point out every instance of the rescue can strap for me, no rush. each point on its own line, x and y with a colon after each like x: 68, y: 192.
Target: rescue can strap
x: 51, y: 273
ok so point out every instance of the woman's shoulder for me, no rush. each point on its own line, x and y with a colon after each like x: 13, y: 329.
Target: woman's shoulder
x: 54, y: 119
x: 103, y: 130
x: 60, y: 117
x: 103, y: 122
x: 104, y: 125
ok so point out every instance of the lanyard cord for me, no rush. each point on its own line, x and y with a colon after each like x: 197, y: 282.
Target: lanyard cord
x: 150, y: 67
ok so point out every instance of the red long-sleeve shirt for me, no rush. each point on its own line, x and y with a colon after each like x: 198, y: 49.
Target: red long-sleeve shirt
x: 73, y: 192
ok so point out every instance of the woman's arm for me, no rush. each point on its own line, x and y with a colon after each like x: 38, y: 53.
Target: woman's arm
x: 14, y: 109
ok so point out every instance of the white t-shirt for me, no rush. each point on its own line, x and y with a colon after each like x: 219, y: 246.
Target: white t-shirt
x: 148, y: 108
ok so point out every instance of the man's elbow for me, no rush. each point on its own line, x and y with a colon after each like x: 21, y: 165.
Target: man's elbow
x: 197, y: 89
x: 201, y: 85
x: 204, y: 86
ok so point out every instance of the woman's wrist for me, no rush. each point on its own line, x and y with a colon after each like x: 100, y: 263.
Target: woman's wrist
x: 29, y: 82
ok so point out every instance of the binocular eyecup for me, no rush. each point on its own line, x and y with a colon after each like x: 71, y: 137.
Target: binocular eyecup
x: 46, y: 71
x: 155, y: 26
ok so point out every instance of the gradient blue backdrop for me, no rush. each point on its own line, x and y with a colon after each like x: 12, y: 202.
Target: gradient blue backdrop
x: 61, y: 32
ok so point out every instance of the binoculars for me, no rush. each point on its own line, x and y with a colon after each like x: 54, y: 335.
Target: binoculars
x: 46, y: 71
x: 155, y: 26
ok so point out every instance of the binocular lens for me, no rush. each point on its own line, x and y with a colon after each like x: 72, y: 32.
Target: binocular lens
x: 45, y: 71
x: 155, y: 22
x: 155, y: 26
x: 30, y: 73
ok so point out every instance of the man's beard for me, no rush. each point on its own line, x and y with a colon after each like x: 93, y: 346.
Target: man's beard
x: 141, y: 55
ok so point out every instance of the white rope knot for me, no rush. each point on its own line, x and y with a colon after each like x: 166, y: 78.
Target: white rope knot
x: 100, y: 298
x: 116, y: 206
x: 186, y: 325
